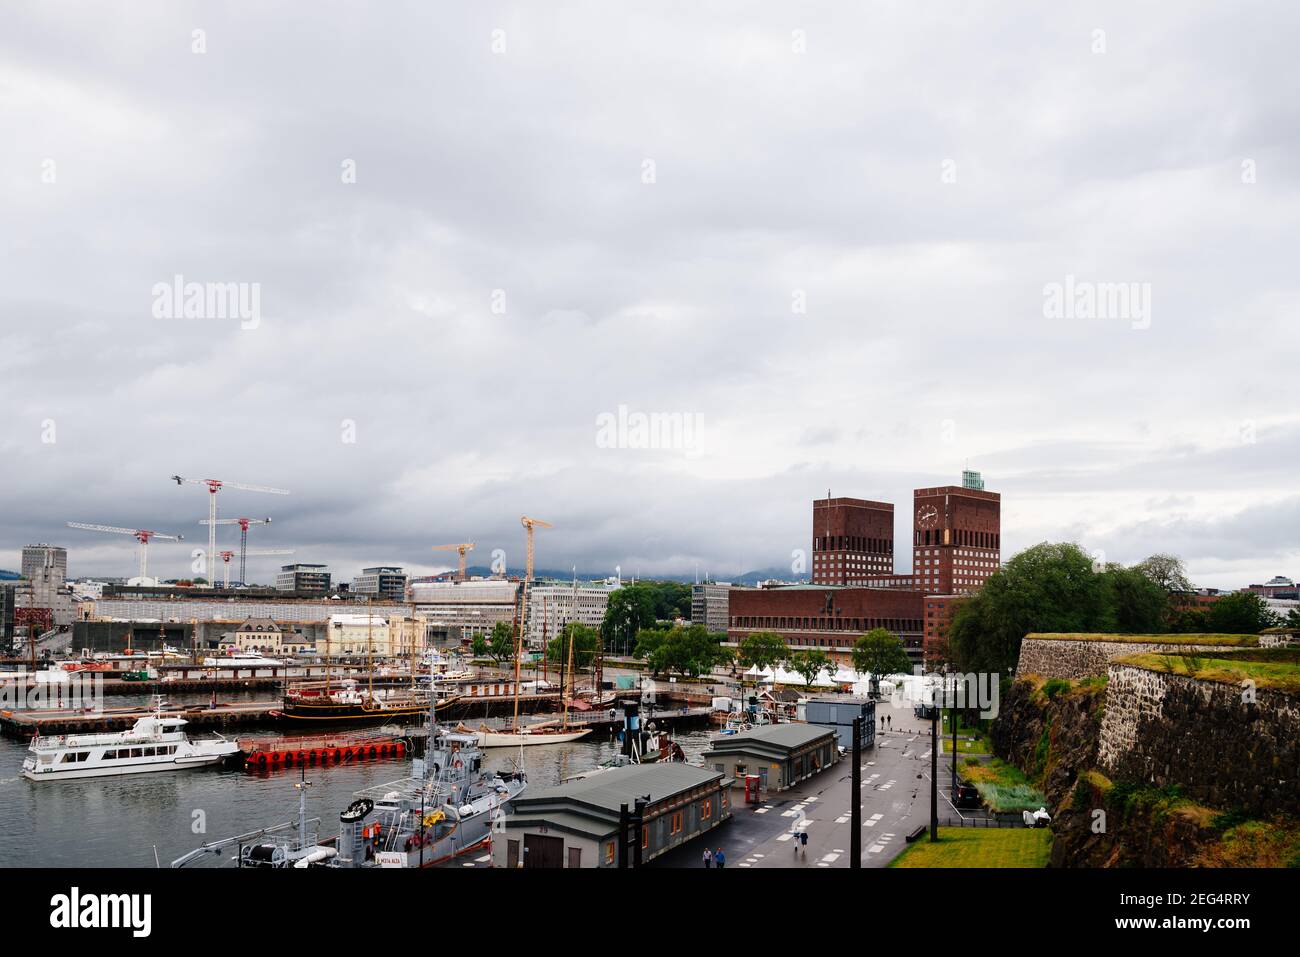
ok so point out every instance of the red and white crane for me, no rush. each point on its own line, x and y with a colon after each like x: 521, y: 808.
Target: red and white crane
x: 215, y: 486
x: 228, y: 555
x: 142, y: 535
x: 243, y: 524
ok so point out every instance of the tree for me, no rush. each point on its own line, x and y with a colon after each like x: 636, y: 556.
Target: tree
x: 630, y: 609
x: 1241, y: 613
x: 690, y: 651
x: 1048, y: 587
x: 1167, y: 572
x: 1293, y: 618
x: 649, y: 640
x: 762, y: 649
x: 1136, y: 603
x: 880, y: 652
x: 503, y: 641
x: 478, y: 646
x: 585, y: 641
x: 809, y: 664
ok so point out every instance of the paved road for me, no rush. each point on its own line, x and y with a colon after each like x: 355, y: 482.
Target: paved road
x: 895, y: 800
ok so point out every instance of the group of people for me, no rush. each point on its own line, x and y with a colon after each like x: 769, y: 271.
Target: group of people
x: 717, y: 858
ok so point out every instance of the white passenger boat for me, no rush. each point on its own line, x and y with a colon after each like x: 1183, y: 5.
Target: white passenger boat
x: 157, y: 743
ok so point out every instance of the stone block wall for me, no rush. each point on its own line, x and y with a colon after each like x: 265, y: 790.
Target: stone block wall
x: 1221, y: 749
x: 1076, y: 658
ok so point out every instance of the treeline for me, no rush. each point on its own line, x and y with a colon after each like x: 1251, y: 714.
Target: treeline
x: 1057, y: 587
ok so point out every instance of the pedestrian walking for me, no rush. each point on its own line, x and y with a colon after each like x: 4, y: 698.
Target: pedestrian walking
x: 803, y: 842
x: 708, y: 858
x: 720, y: 859
x: 890, y: 719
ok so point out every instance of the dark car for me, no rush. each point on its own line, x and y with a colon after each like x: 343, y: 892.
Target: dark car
x: 967, y: 795
x: 925, y: 712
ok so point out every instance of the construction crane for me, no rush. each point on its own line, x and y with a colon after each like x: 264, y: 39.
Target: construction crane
x: 215, y: 486
x: 243, y: 524
x: 228, y: 555
x: 530, y: 524
x: 461, y: 548
x: 142, y: 535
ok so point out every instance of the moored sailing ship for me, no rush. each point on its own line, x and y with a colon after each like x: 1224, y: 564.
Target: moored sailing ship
x: 352, y: 703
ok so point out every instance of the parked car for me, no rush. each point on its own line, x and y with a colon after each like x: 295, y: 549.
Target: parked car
x: 967, y: 795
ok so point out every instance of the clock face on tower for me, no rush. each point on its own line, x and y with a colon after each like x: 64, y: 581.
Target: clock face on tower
x: 927, y: 516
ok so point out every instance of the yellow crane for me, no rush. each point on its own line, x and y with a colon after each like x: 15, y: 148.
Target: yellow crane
x: 461, y: 549
x: 530, y: 524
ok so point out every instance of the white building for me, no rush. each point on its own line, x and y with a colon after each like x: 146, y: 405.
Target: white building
x: 355, y: 636
x: 551, y: 606
x: 461, y: 610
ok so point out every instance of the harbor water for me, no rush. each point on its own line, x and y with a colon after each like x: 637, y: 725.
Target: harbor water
x: 149, y: 819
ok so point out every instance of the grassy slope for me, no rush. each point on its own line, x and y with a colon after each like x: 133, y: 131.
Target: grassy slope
x: 1232, y: 641
x: 1278, y: 669
x: 980, y: 847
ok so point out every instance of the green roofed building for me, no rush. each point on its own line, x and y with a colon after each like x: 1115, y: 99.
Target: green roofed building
x: 576, y: 824
x: 779, y: 755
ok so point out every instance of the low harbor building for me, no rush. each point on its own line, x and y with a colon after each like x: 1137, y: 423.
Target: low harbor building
x: 781, y: 755
x: 576, y: 824
x: 837, y: 712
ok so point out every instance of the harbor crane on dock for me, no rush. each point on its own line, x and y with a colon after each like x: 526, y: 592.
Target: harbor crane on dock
x: 142, y: 535
x: 461, y: 549
x: 215, y: 486
x: 243, y: 524
x: 228, y: 555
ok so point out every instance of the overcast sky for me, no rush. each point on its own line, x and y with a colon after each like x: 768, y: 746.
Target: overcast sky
x: 822, y: 231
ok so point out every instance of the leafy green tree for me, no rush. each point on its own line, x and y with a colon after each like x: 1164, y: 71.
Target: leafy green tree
x: 809, y: 664
x: 1241, y: 613
x: 479, y: 647
x: 762, y: 649
x: 585, y: 642
x: 1167, y: 572
x: 1136, y: 604
x: 630, y: 609
x: 689, y: 651
x: 502, y: 645
x: 1293, y: 618
x: 649, y: 640
x: 671, y: 599
x: 1049, y: 587
x: 880, y: 652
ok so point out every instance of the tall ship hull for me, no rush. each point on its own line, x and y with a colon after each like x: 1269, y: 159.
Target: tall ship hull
x: 317, y: 706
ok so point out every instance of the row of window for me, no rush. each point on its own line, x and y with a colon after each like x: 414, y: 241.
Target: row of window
x: 120, y: 754
x: 820, y: 623
x: 852, y: 543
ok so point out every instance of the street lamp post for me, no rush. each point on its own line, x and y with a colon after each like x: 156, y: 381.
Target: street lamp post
x: 855, y: 798
x: 934, y: 775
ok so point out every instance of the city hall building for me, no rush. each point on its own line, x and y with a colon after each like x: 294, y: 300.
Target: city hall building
x: 956, y: 545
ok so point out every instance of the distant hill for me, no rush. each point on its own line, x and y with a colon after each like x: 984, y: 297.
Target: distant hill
x: 748, y: 578
x: 8, y: 576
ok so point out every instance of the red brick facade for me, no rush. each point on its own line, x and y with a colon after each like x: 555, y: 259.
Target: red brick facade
x: 956, y: 546
x: 853, y: 539
x: 829, y: 618
x: 956, y: 538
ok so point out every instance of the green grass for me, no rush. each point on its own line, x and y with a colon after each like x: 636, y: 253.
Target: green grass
x: 1003, y: 786
x: 980, y: 847
x: 1278, y: 668
x: 969, y: 740
x: 1237, y: 641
